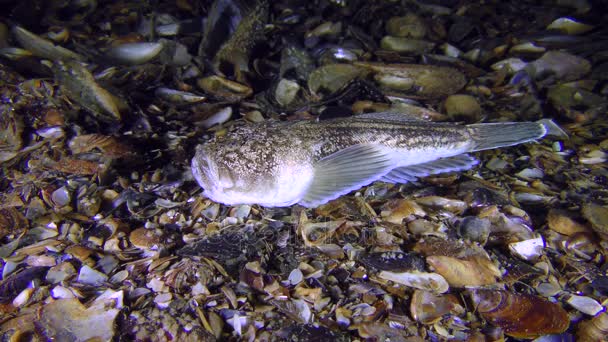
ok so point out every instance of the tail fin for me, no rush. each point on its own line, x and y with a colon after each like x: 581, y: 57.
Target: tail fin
x: 494, y: 135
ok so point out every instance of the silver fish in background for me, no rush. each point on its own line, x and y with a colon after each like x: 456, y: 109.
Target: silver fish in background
x: 310, y: 163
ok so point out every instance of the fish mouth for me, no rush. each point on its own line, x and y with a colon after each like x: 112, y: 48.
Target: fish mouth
x: 209, y: 175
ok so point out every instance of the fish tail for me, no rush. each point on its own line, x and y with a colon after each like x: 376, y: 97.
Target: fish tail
x: 493, y: 135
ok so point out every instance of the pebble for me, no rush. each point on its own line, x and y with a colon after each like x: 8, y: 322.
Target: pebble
x: 461, y: 106
x: 475, y: 229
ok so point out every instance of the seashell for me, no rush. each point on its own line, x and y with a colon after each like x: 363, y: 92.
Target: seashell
x: 224, y: 89
x: 218, y: 118
x: 286, y: 92
x: 43, y: 48
x: 327, y: 28
x: 442, y: 203
x: 432, y: 246
x: 526, y: 48
x: 14, y: 54
x: 410, y: 25
x: 474, y: 271
x: 61, y: 197
x: 12, y: 221
x: 474, y: 229
x: 429, y: 308
x: 585, y: 304
x: 176, y: 96
x: 510, y: 65
x: 558, y: 64
x: 338, y: 54
x: 91, y: 277
x: 79, y: 85
x: 463, y: 106
x: 332, y: 77
x: 60, y: 272
x: 520, y: 315
x: 569, y: 26
x: 393, y: 261
x: 394, y: 82
x: 530, y: 249
x: 296, y: 309
x: 69, y: 319
x: 397, y: 210
x: 430, y: 81
x: 298, y: 61
x: 421, y: 113
x: 593, y: 156
x: 133, y: 53
x: 406, y: 46
x: 595, y: 329
x: 432, y: 282
x: 598, y: 217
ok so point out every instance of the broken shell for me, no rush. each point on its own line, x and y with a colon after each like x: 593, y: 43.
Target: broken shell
x: 475, y: 271
x: 585, y: 304
x: 420, y: 280
x: 594, y: 329
x: 520, y: 315
x: 529, y: 249
x: 133, y: 53
x: 428, y: 308
x: 89, y: 276
x: 69, y: 319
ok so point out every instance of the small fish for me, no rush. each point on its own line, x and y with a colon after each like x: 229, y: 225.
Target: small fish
x: 277, y: 164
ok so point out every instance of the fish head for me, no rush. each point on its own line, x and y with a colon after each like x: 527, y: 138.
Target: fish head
x: 251, y: 172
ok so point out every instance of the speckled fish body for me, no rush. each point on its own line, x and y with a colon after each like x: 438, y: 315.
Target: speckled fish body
x: 311, y: 163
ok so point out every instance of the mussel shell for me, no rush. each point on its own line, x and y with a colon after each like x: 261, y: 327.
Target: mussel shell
x: 521, y: 315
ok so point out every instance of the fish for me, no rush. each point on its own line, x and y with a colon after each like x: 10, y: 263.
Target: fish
x: 278, y: 164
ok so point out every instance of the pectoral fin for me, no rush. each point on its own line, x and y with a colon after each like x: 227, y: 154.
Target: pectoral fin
x: 346, y: 171
x: 411, y: 173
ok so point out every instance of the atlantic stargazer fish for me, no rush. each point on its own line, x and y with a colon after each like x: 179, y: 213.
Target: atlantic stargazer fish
x: 278, y: 164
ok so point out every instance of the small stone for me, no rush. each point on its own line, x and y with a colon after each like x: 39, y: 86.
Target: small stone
x: 463, y: 107
x: 597, y: 215
x: 475, y: 229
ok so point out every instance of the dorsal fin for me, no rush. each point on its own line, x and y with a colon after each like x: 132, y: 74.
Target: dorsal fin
x: 389, y: 116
